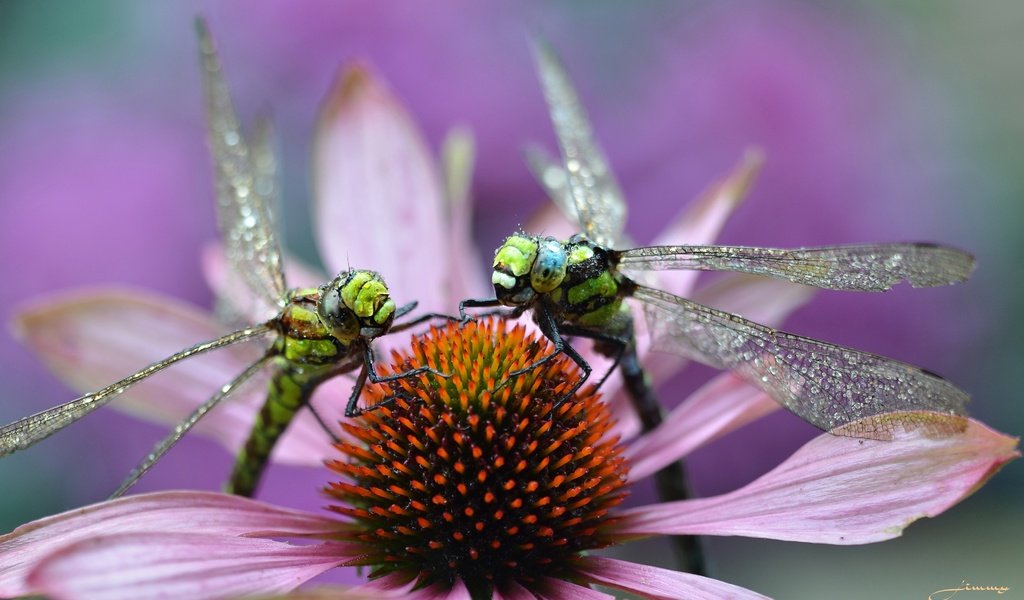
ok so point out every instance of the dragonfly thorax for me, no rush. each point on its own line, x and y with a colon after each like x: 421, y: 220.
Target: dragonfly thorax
x: 356, y: 304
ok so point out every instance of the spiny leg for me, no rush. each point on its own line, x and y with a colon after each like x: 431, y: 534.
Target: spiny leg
x: 499, y: 309
x: 421, y: 319
x: 476, y: 303
x: 184, y: 426
x: 323, y: 423
x: 370, y: 372
x: 351, y: 410
x: 406, y: 309
x: 549, y: 328
x: 618, y: 343
x: 346, y: 368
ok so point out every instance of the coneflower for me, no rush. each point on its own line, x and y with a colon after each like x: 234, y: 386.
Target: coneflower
x: 485, y: 486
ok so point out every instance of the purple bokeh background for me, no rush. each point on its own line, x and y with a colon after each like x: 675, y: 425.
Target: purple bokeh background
x: 104, y: 176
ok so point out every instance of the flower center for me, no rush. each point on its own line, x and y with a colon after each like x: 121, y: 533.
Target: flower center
x: 479, y: 477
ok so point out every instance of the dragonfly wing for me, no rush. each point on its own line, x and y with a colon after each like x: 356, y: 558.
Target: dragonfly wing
x: 600, y: 208
x: 551, y: 176
x: 25, y: 432
x: 829, y: 386
x: 246, y: 185
x: 869, y: 267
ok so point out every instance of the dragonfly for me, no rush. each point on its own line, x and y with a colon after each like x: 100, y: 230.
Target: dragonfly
x: 318, y: 333
x: 579, y: 287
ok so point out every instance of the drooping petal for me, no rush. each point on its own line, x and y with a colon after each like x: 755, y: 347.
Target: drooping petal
x: 154, y: 514
x: 458, y: 592
x: 179, y: 565
x: 557, y: 589
x: 378, y: 192
x: 841, y: 490
x: 465, y: 264
x: 513, y: 591
x: 323, y: 592
x: 91, y: 338
x: 657, y: 583
x: 723, y: 404
x: 767, y: 301
x: 388, y: 586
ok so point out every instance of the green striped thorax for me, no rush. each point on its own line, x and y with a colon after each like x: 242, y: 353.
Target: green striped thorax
x: 576, y: 277
x: 355, y: 304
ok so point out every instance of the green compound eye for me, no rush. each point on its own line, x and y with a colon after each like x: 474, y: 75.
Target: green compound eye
x: 333, y: 311
x: 511, y: 261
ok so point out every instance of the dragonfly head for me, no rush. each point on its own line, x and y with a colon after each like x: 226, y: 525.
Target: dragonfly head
x: 356, y: 304
x: 525, y: 266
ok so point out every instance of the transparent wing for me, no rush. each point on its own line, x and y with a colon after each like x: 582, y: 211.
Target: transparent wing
x: 871, y: 267
x: 828, y: 386
x: 599, y: 207
x: 25, y: 432
x: 179, y: 431
x: 551, y: 176
x: 246, y: 186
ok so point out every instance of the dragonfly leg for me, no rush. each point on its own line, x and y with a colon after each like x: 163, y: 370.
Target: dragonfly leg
x: 406, y: 309
x: 549, y: 327
x: 475, y: 303
x: 618, y: 345
x: 323, y: 423
x: 370, y: 372
x: 422, y: 319
x: 351, y: 408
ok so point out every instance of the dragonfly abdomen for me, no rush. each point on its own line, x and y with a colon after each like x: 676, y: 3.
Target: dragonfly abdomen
x: 288, y: 391
x: 306, y: 354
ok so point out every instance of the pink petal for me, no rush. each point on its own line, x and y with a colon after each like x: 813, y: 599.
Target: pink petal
x: 465, y: 263
x: 179, y: 565
x: 704, y: 218
x: 723, y: 404
x: 323, y: 592
x: 458, y: 592
x: 388, y: 586
x: 90, y: 339
x: 153, y: 514
x: 842, y: 490
x: 378, y: 193
x: 654, y: 582
x: 557, y: 589
x: 513, y: 591
x: 767, y: 301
